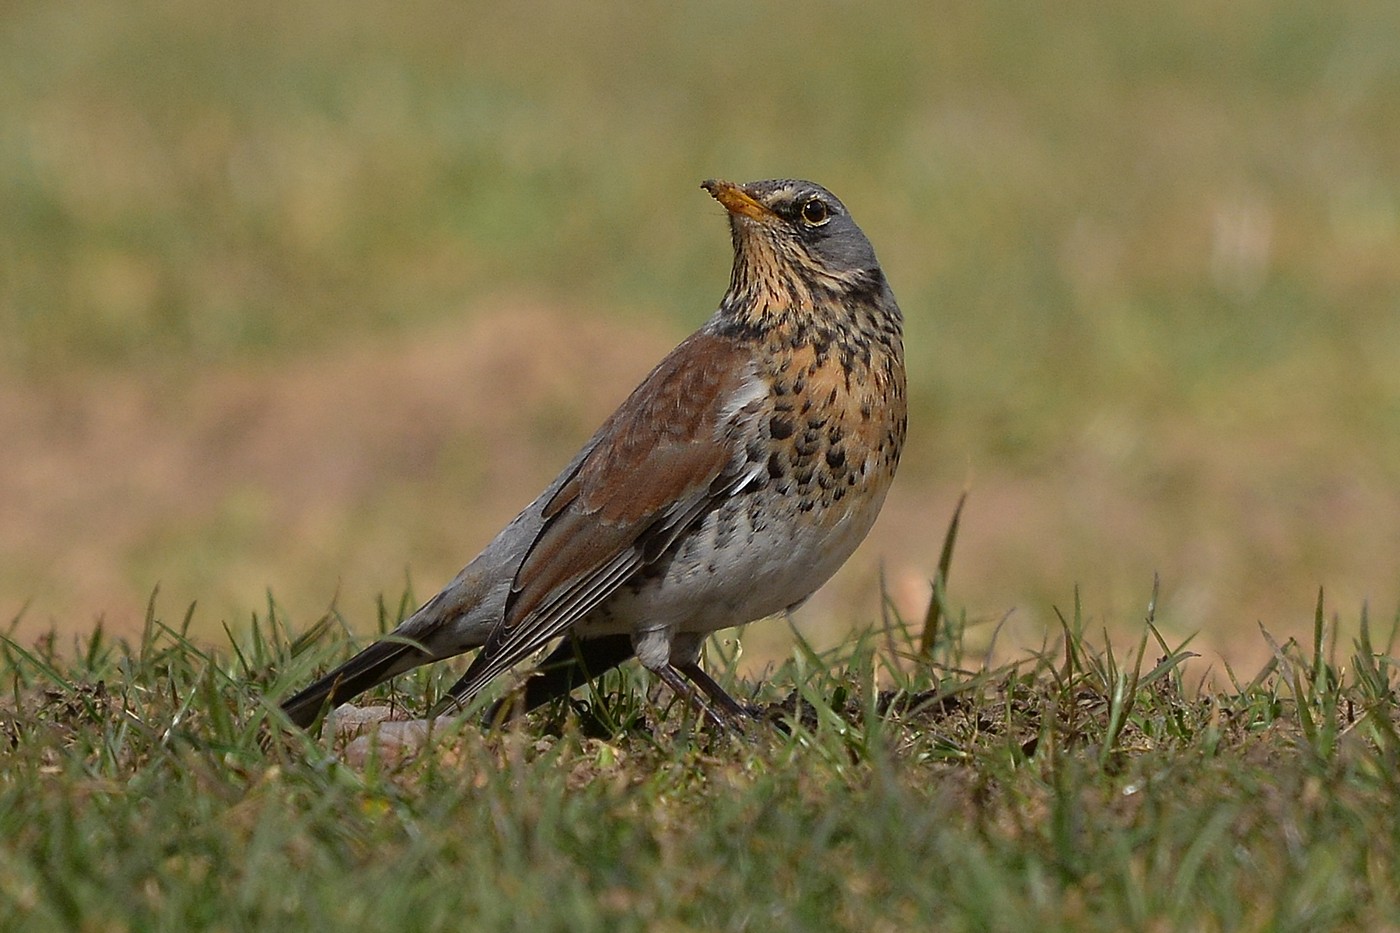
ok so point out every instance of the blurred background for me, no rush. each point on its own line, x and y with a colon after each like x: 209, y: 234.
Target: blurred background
x: 312, y: 297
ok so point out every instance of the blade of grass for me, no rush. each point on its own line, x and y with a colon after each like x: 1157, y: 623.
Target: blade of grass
x: 937, y: 605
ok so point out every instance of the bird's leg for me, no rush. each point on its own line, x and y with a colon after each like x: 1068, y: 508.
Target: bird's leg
x: 671, y: 676
x: 730, y: 706
x: 674, y: 658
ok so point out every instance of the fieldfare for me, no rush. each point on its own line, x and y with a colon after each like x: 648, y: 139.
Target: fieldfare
x: 729, y: 486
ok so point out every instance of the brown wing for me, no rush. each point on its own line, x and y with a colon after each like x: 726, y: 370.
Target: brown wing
x: 660, y: 463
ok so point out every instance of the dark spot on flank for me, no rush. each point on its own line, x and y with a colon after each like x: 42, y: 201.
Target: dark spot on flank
x: 835, y: 457
x: 780, y: 428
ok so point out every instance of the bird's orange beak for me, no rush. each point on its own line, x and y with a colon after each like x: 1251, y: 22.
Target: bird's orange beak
x: 736, y: 200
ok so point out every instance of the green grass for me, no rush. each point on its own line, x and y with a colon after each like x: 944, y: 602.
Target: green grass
x: 151, y: 786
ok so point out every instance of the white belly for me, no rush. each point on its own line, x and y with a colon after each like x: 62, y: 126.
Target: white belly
x: 729, y: 572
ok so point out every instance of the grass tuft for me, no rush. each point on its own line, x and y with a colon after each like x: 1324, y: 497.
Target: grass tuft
x: 144, y: 785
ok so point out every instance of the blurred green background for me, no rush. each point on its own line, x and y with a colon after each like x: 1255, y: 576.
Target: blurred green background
x: 314, y: 296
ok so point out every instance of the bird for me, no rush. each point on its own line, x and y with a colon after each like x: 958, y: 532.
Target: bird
x: 729, y: 486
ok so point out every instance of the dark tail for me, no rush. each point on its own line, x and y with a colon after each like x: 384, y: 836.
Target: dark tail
x: 369, y: 668
x: 572, y: 664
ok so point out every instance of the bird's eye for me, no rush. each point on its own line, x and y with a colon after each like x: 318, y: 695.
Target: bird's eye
x: 814, y: 213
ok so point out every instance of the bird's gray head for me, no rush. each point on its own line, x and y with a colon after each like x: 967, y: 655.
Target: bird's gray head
x: 798, y: 225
